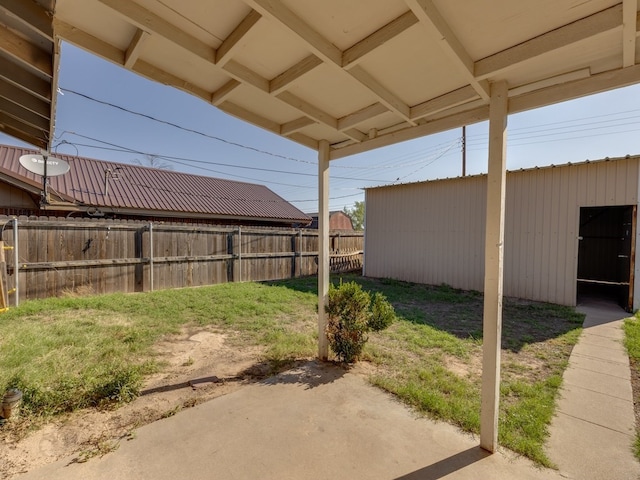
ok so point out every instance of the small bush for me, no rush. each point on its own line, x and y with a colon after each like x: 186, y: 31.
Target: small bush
x: 382, y: 313
x: 352, y: 314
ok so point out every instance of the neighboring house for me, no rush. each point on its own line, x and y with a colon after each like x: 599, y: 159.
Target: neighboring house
x: 338, y: 220
x: 96, y: 188
x: 567, y: 229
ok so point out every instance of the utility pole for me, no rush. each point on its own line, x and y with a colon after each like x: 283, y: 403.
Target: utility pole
x: 464, y: 150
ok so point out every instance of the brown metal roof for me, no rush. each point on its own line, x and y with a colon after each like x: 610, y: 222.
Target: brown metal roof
x: 113, y: 187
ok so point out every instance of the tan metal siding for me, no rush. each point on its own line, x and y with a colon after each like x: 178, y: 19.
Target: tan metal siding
x: 427, y: 235
x: 433, y: 232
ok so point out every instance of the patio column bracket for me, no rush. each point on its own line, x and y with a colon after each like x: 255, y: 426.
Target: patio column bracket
x: 493, y: 276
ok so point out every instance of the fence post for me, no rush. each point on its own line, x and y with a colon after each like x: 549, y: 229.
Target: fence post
x: 138, y: 275
x: 16, y: 264
x: 151, y: 255
x: 239, y: 254
x: 294, y: 255
x: 231, y: 260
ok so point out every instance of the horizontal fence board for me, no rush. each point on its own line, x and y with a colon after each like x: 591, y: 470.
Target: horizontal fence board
x: 65, y: 256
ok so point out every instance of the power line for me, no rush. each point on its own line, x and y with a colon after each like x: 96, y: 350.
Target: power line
x: 207, y: 162
x: 386, y: 165
x: 185, y: 129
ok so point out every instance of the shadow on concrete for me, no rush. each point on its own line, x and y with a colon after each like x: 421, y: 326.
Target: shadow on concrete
x: 448, y: 465
x: 178, y: 386
x: 310, y: 374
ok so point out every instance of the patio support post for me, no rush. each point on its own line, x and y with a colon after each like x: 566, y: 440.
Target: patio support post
x: 323, y: 247
x: 493, y: 266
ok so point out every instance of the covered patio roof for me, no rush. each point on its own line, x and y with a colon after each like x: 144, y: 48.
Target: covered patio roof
x: 360, y: 74
x: 341, y: 77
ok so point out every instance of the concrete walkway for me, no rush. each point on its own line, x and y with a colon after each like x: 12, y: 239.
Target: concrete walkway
x: 594, y: 427
x: 315, y: 422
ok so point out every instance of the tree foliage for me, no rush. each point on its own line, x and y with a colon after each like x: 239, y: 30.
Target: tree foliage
x: 356, y: 213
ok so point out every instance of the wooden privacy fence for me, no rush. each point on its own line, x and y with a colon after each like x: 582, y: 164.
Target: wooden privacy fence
x: 55, y: 256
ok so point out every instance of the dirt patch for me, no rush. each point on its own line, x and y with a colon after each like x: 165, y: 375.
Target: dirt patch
x: 199, y: 365
x: 471, y: 368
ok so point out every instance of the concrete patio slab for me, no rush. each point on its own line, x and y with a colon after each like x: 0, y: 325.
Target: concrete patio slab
x: 315, y: 422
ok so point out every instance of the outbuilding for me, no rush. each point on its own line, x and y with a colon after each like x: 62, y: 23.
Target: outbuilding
x: 569, y: 229
x: 338, y: 220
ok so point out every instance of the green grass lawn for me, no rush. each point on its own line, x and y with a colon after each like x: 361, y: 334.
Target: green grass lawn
x: 70, y: 353
x: 632, y: 342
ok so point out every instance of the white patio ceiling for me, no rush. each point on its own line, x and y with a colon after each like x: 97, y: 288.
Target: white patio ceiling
x: 358, y: 73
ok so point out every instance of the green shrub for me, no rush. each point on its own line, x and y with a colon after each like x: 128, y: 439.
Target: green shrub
x: 382, y: 313
x: 352, y: 314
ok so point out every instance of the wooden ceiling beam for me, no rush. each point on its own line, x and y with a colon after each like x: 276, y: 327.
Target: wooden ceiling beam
x: 549, y: 81
x: 409, y: 133
x: 356, y: 118
x: 239, y: 72
x: 25, y: 53
x: 600, y: 82
x: 27, y: 100
x: 224, y: 92
x: 84, y: 40
x: 304, y: 140
x: 283, y: 81
x: 113, y: 54
x: 18, y: 125
x: 597, y: 83
x: 319, y: 45
x: 355, y: 134
x: 629, y: 32
x: 27, y: 81
x: 135, y: 48
x: 354, y: 54
x: 16, y: 132
x: 150, y: 22
x: 156, y: 74
x: 444, y: 102
x: 326, y: 51
x: 21, y: 114
x: 439, y: 29
x: 391, y: 101
x: 57, y: 50
x: 32, y: 15
x: 602, y: 22
x: 295, y: 125
x: 233, y: 41
x: 246, y: 75
x: 248, y: 116
x: 309, y: 110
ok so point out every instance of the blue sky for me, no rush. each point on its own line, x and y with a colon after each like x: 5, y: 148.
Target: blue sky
x: 605, y: 125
